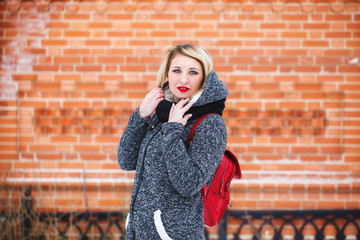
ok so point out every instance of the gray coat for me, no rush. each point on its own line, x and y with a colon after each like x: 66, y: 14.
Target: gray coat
x: 166, y: 201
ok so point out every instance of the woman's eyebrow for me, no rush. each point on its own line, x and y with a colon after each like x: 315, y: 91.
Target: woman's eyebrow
x: 192, y: 68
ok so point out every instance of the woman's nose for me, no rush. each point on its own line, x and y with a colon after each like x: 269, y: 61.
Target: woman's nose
x: 184, y: 78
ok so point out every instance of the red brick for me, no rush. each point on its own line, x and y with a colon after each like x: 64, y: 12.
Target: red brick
x: 119, y: 34
x: 316, y: 44
x: 49, y: 156
x: 312, y: 158
x: 93, y: 156
x: 248, y: 105
x: 25, y: 77
x: 99, y: 25
x: 97, y: 42
x: 54, y: 42
x: 338, y: 17
x: 272, y: 43
x: 317, y: 25
x: 7, y: 103
x: 46, y: 68
x: 76, y: 34
x: 337, y: 52
x: 70, y: 51
x: 260, y: 149
x: 294, y: 17
x: 212, y: 17
x: 308, y: 87
x: 42, y: 148
x: 77, y: 16
x: 263, y: 69
x: 264, y: 87
x: 90, y: 86
x: 352, y: 150
x: 292, y: 105
x: 162, y: 16
x: 307, y: 149
x: 287, y: 204
x: 338, y: 34
x: 132, y: 68
x: 333, y: 204
x: 286, y: 140
x: 273, y: 25
x: 170, y: 34
x: 67, y: 139
x: 349, y: 69
x: 228, y: 43
x: 61, y: 60
x: 46, y: 87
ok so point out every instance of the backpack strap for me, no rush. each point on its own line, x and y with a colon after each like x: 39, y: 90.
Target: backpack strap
x: 192, y: 132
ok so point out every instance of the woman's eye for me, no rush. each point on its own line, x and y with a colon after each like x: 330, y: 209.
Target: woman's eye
x: 193, y: 72
x: 176, y: 70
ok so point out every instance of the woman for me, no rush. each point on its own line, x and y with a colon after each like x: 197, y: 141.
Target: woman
x: 166, y: 201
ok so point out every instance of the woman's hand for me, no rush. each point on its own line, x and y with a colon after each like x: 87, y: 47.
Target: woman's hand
x: 150, y: 102
x: 177, y: 111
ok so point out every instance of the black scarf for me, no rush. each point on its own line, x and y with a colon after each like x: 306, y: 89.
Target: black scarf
x: 163, y: 109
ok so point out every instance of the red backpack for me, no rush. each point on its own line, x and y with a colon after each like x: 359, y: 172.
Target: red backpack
x: 216, y: 197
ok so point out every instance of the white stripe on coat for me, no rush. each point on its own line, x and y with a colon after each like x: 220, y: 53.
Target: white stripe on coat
x: 159, y: 226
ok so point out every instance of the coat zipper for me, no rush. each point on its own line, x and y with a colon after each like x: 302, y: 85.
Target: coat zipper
x: 140, y: 178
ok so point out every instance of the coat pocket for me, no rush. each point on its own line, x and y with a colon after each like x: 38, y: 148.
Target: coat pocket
x: 160, y: 226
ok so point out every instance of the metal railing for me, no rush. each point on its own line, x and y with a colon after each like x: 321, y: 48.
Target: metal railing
x: 292, y: 224
x: 256, y: 225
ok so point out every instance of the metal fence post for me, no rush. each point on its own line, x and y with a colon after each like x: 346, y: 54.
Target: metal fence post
x: 223, y: 226
x: 26, y: 205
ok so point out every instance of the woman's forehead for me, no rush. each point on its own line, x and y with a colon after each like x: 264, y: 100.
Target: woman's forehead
x: 182, y: 61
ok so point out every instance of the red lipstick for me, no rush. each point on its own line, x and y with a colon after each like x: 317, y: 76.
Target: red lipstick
x: 183, y: 89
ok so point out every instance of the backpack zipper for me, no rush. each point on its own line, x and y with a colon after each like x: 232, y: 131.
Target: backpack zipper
x: 222, y: 180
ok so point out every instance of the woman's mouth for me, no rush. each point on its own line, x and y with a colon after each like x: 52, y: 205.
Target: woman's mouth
x: 183, y: 89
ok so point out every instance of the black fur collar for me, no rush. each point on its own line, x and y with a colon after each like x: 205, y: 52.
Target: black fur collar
x: 163, y: 109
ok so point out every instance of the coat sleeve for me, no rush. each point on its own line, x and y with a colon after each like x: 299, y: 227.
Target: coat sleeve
x: 129, y: 145
x: 189, y: 169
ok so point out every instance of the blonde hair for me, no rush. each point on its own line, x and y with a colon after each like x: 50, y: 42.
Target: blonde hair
x: 190, y: 50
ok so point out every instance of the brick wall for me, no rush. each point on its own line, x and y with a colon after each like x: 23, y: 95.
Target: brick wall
x: 73, y: 71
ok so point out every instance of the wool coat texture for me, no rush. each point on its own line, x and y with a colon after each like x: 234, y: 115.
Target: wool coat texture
x: 166, y: 200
